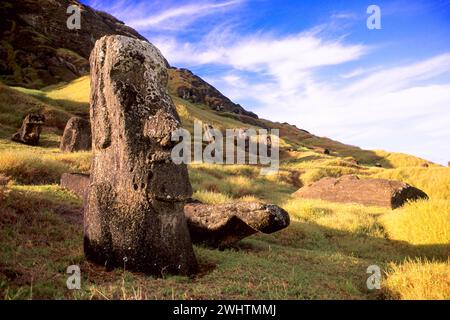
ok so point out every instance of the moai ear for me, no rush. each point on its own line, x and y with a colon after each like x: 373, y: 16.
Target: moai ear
x: 101, y: 128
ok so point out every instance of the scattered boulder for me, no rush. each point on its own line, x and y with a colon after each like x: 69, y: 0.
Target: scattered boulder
x: 351, y: 189
x: 321, y: 150
x: 77, y: 135
x: 78, y: 183
x: 224, y: 224
x: 133, y: 215
x: 30, y: 131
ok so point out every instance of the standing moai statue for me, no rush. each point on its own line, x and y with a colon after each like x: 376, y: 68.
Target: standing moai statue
x: 30, y: 131
x: 134, y: 210
x: 77, y: 135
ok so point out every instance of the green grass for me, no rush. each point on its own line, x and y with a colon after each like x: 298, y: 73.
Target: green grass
x: 323, y: 254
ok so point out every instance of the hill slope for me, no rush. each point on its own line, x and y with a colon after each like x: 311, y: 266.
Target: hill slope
x: 323, y: 254
x: 37, y: 49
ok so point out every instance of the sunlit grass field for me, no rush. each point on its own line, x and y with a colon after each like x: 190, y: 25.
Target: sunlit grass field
x: 323, y: 254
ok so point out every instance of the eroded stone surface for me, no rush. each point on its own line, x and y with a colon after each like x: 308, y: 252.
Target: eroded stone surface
x: 77, y: 183
x: 351, y: 189
x: 30, y: 131
x: 224, y: 224
x: 134, y: 209
x: 77, y: 135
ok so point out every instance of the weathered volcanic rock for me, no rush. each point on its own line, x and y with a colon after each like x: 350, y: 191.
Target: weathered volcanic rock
x: 134, y: 210
x: 194, y: 89
x: 30, y: 131
x: 216, y: 225
x: 77, y: 135
x: 78, y: 183
x: 351, y: 189
x: 224, y: 224
x: 37, y: 48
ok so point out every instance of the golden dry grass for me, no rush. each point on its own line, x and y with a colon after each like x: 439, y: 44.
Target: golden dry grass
x: 323, y: 253
x: 418, y: 280
x: 424, y: 222
x: 28, y: 167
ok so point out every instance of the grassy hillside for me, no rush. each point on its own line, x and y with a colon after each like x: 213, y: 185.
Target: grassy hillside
x: 324, y: 253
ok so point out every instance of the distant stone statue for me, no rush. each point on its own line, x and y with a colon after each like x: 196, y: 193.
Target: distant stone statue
x: 77, y: 135
x: 134, y: 210
x: 30, y: 131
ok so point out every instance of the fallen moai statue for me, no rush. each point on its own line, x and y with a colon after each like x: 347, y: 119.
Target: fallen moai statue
x: 222, y: 225
x: 77, y: 135
x: 133, y: 215
x: 218, y: 225
x: 351, y: 189
x: 30, y: 131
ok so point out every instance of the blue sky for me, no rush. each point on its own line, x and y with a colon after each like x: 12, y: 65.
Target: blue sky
x: 315, y: 63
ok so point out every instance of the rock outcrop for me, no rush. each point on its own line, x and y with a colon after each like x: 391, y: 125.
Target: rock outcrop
x: 37, y: 48
x: 134, y: 209
x: 351, y: 189
x: 224, y: 224
x: 30, y: 131
x: 190, y: 87
x: 77, y: 135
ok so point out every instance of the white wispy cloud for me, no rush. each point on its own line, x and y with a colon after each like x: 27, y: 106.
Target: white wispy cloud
x: 287, y: 59
x: 398, y: 108
x: 177, y: 17
x: 404, y: 107
x: 164, y: 15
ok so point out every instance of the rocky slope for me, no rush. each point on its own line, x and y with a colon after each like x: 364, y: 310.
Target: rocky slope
x: 37, y: 49
x: 188, y: 86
